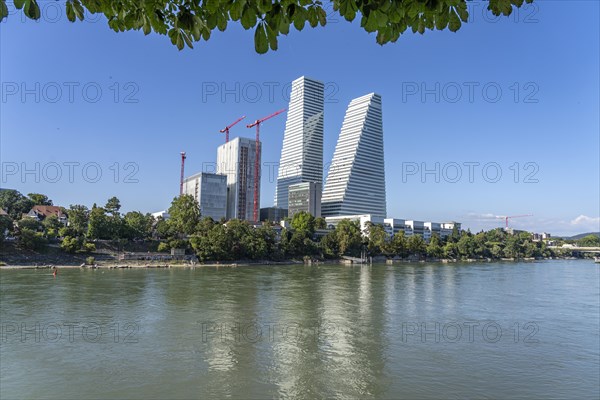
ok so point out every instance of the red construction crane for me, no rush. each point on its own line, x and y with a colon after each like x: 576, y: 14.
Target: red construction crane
x: 516, y: 216
x: 182, y: 169
x: 256, y: 160
x: 226, y: 129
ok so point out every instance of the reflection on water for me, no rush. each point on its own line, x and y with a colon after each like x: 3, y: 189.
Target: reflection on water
x: 514, y: 330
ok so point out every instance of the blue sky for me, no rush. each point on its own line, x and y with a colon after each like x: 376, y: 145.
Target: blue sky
x: 519, y: 94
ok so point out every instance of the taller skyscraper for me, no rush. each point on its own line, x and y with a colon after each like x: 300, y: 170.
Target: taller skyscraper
x: 356, y: 179
x: 302, y: 152
x: 236, y: 160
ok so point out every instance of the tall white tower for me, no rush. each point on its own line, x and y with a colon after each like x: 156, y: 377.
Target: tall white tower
x: 236, y: 160
x: 356, y: 178
x: 302, y: 151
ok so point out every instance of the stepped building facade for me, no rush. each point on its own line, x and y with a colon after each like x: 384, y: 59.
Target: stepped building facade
x: 302, y: 151
x: 356, y: 179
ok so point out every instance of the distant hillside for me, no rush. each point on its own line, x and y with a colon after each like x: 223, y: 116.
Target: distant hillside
x: 581, y: 235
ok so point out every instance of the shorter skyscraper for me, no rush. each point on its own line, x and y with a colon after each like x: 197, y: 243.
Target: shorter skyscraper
x: 356, y: 180
x: 305, y: 196
x: 236, y: 160
x: 210, y: 190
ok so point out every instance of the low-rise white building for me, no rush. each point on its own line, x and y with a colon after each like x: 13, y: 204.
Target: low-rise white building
x: 363, y: 220
x: 451, y: 225
x: 395, y: 225
x: 161, y: 214
x: 418, y: 228
x: 446, y: 228
x: 540, y: 236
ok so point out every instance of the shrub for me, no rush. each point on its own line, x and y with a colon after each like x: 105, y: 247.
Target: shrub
x: 6, y: 225
x: 163, y: 247
x: 90, y: 260
x: 32, y: 240
x: 66, y: 231
x: 178, y: 244
x: 89, y: 247
x: 70, y: 244
x: 29, y: 223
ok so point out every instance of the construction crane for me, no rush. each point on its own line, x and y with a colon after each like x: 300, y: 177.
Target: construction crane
x: 256, y: 160
x: 182, y: 170
x: 226, y: 129
x: 515, y: 216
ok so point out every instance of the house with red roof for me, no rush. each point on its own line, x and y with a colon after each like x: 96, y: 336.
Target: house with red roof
x: 42, y: 212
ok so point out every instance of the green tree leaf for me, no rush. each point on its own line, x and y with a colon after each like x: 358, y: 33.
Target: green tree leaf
x: 187, y: 40
x: 78, y: 9
x: 348, y: 9
x: 3, y: 10
x: 300, y: 16
x: 312, y: 16
x: 284, y: 25
x: 454, y: 22
x: 261, y: 43
x: 235, y: 11
x: 248, y: 17
x: 500, y: 7
x: 462, y: 12
x: 272, y: 36
x: 32, y: 9
x: 322, y: 16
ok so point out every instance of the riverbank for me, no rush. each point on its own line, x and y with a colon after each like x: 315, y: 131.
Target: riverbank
x: 128, y: 266
x: 245, y: 263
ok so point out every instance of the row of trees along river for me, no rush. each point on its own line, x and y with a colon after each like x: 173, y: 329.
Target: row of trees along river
x: 238, y: 240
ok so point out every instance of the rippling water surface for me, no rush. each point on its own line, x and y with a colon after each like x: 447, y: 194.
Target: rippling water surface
x: 498, y: 330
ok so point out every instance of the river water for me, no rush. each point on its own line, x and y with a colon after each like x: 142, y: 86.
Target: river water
x: 490, y: 330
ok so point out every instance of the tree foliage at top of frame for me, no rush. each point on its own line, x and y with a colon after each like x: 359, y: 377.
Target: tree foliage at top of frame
x: 189, y: 21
